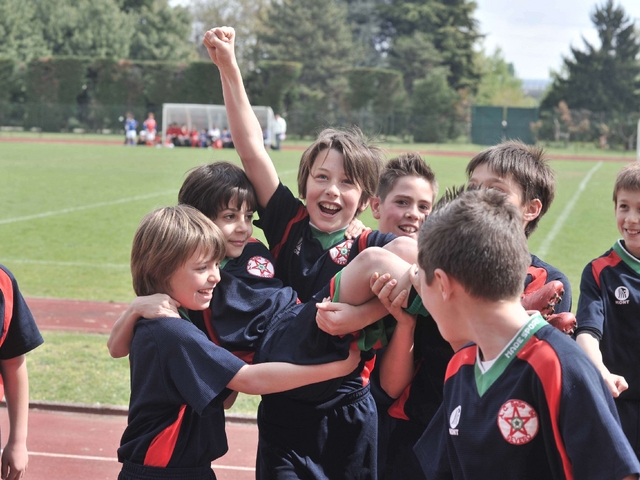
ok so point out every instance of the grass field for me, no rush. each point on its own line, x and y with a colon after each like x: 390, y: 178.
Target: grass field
x: 70, y: 212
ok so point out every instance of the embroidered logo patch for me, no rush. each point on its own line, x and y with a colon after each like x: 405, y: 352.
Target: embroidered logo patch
x: 454, y: 419
x: 622, y: 295
x: 518, y: 422
x: 260, y: 267
x: 340, y: 253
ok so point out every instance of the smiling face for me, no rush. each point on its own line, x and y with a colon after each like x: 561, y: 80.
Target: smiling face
x: 628, y: 219
x: 332, y: 199
x: 405, y: 207
x: 235, y: 224
x: 192, y: 284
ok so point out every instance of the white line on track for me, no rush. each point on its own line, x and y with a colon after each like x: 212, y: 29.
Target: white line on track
x: 86, y: 207
x: 562, y: 218
x: 113, y: 459
x: 64, y: 264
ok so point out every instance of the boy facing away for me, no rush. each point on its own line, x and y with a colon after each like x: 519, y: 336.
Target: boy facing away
x: 18, y: 335
x: 522, y: 400
x: 523, y: 174
x: 337, y: 176
x: 608, y: 306
x: 179, y: 379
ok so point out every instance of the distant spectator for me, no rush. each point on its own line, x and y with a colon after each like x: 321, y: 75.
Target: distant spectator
x: 150, y: 129
x: 266, y: 137
x: 194, y: 137
x: 173, y: 132
x: 184, y: 138
x: 225, y: 136
x: 280, y: 131
x: 213, y: 134
x: 130, y: 126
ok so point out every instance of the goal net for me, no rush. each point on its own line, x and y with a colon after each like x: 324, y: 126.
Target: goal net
x: 198, y: 117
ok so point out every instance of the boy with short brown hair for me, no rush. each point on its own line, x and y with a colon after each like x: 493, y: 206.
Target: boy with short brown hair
x: 521, y: 400
x: 608, y: 306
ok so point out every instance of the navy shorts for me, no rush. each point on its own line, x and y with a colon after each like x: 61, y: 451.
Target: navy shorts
x: 333, y: 441
x: 133, y: 471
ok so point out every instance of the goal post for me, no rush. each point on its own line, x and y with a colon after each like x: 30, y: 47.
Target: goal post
x: 201, y: 116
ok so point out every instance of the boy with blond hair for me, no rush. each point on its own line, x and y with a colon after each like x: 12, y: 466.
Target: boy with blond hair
x: 609, y: 306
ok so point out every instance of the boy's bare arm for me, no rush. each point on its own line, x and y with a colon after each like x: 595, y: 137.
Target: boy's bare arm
x: 273, y: 377
x: 16, y: 384
x: 245, y: 127
x: 397, y: 366
x: 152, y: 306
x: 337, y: 318
x: 590, y: 345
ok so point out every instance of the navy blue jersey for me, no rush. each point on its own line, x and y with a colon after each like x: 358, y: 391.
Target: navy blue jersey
x: 301, y: 260
x: 540, y: 411
x: 540, y: 273
x: 423, y: 396
x: 178, y: 384
x: 19, y: 333
x: 608, y: 307
x: 258, y: 319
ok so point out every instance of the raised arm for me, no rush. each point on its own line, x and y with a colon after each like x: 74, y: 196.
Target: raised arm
x: 245, y: 127
x: 152, y: 306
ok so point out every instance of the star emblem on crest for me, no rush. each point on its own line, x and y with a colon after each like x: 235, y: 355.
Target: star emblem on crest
x: 340, y: 253
x: 260, y: 267
x: 518, y: 422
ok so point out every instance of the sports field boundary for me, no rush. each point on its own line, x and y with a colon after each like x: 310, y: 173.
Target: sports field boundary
x: 391, y: 150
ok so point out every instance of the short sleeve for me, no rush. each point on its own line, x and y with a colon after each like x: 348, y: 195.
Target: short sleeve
x: 431, y: 450
x: 590, y: 313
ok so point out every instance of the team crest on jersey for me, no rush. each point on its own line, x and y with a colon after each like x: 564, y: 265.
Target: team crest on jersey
x: 518, y: 422
x: 622, y: 295
x: 260, y: 267
x: 340, y: 253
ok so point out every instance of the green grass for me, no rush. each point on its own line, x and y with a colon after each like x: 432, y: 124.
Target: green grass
x: 70, y: 211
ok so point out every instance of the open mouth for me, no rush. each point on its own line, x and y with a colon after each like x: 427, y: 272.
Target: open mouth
x: 408, y: 229
x: 329, y: 208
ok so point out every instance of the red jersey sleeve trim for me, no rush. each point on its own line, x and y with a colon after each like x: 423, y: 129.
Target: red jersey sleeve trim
x: 464, y: 356
x: 7, y: 292
x: 302, y: 213
x: 544, y: 360
x: 363, y: 240
x: 601, y: 263
x: 162, y: 447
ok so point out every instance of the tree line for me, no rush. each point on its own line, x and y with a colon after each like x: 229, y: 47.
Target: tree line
x: 326, y: 60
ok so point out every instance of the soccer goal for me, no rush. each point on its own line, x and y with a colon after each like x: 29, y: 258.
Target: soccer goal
x: 198, y: 116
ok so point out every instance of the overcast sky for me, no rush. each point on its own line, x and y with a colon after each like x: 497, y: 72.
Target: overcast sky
x: 534, y: 35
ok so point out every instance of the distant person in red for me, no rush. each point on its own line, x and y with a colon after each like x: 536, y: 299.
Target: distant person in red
x: 195, y: 137
x: 150, y: 126
x: 173, y: 133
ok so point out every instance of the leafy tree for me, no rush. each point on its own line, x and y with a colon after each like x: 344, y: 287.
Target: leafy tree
x: 499, y: 85
x: 363, y: 18
x: 244, y: 16
x: 314, y: 33
x: 21, y: 31
x: 449, y: 24
x: 85, y: 28
x: 605, y: 78
x: 415, y: 56
x: 161, y: 32
x: 433, y: 106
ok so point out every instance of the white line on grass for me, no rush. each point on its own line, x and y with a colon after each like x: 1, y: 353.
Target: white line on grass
x: 86, y: 207
x: 562, y: 218
x: 64, y: 264
x: 113, y: 459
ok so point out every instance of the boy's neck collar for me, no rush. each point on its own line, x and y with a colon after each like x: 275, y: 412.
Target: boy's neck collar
x: 327, y: 239
x: 626, y: 256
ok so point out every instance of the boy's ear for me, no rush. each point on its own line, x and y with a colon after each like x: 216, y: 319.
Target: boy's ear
x: 444, y: 282
x: 375, y: 207
x: 532, y: 210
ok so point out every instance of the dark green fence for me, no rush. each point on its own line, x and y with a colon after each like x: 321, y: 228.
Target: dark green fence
x: 491, y: 125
